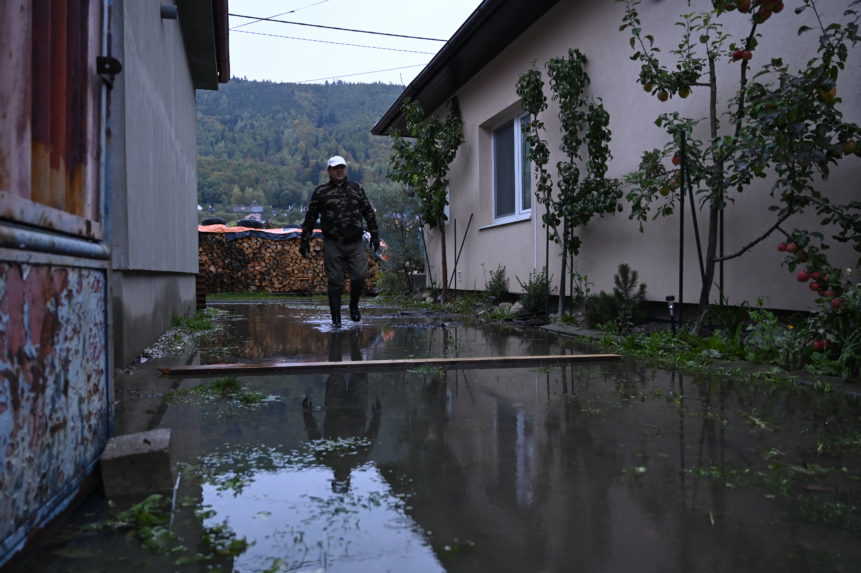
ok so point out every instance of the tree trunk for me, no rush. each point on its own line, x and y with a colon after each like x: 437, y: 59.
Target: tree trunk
x: 444, y: 263
x: 547, y: 267
x: 561, y: 307
x: 716, y: 187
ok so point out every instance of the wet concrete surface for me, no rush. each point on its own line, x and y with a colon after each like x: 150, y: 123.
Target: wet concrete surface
x: 597, y: 467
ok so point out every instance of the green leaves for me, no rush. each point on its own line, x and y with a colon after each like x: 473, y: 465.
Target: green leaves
x: 422, y: 165
x: 530, y: 89
x: 585, y: 139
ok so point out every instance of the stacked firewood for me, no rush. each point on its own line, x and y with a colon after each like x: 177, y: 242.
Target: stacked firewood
x: 255, y: 264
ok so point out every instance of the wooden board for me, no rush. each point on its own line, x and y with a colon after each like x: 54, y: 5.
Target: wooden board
x: 380, y: 365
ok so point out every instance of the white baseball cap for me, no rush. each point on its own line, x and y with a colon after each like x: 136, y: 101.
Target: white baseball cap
x: 336, y: 160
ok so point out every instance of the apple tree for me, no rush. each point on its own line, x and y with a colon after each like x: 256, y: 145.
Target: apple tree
x: 783, y: 122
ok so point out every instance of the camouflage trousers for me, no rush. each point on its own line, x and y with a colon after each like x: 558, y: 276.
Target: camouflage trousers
x: 343, y: 260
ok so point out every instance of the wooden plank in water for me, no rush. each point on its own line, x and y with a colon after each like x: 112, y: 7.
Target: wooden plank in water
x: 378, y: 365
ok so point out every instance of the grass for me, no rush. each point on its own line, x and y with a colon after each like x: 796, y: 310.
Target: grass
x: 230, y: 296
x: 427, y: 370
x: 228, y: 388
x: 199, y: 321
x: 149, y: 523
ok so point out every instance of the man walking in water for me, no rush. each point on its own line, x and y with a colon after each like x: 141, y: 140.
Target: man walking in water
x: 341, y: 205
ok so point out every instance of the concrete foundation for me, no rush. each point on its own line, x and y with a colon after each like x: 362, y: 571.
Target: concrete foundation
x: 144, y: 305
x: 139, y: 464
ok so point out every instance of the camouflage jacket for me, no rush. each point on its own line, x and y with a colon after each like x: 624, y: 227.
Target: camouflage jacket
x: 341, y: 206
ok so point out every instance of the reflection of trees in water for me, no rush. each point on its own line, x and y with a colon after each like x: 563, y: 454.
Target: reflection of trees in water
x: 345, y: 414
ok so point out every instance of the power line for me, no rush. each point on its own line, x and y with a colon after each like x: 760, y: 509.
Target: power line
x: 335, y: 43
x: 258, y: 18
x: 293, y: 11
x: 360, y: 74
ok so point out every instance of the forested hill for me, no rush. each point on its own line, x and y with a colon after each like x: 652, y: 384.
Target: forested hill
x: 267, y: 143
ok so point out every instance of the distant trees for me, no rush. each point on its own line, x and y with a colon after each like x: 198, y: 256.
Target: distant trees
x: 273, y: 139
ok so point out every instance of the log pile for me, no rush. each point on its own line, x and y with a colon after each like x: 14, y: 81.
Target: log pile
x: 257, y: 264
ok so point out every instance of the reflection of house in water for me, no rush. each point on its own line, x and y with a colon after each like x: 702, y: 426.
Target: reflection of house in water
x: 529, y: 464
x: 531, y: 467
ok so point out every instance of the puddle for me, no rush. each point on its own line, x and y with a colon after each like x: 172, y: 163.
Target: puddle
x: 592, y: 467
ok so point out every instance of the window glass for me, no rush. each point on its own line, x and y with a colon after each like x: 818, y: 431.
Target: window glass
x: 503, y: 166
x: 512, y: 178
x: 525, y: 167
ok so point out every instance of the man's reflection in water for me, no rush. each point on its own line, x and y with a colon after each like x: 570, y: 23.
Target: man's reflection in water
x: 345, y: 414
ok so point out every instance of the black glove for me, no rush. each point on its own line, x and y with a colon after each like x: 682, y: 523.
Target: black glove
x: 304, y: 248
x: 375, y: 243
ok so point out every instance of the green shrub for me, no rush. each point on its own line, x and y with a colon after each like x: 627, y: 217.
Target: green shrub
x: 582, y: 289
x: 601, y: 308
x: 629, y: 296
x: 497, y: 284
x: 536, y: 292
x: 763, y: 334
x: 198, y: 321
x: 392, y: 282
x: 728, y: 318
x: 623, y: 308
x: 835, y: 325
x: 466, y: 303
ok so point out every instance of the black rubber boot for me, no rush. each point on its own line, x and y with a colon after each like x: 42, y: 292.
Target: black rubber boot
x: 335, y: 307
x: 355, y: 292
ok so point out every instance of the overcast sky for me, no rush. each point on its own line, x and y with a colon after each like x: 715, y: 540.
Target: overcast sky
x: 262, y: 57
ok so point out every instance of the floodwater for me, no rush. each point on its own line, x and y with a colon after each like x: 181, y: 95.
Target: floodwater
x: 599, y: 467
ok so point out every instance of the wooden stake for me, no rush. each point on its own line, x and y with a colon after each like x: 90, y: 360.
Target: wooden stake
x: 289, y: 368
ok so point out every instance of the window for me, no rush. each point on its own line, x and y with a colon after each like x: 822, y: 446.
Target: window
x: 49, y: 168
x: 512, y: 179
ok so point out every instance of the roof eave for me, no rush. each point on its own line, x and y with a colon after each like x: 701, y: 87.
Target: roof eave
x: 204, y: 32
x: 492, y: 26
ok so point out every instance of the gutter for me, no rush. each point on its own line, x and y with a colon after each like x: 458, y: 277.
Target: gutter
x: 222, y: 39
x: 449, y: 50
x: 488, y: 31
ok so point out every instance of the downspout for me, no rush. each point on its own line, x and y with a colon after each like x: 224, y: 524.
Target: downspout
x: 105, y: 214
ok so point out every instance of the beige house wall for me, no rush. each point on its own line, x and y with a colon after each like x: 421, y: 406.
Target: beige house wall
x: 592, y: 27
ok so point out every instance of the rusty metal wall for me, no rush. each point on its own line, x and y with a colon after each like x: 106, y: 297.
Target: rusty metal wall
x: 54, y: 328
x: 54, y: 389
x: 49, y: 125
x: 60, y: 53
x: 14, y: 97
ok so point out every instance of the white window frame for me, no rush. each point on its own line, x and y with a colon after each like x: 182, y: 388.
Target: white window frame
x: 520, y: 214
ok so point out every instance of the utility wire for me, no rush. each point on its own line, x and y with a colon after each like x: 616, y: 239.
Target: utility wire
x: 293, y: 11
x: 258, y: 18
x: 335, y: 43
x: 360, y: 74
